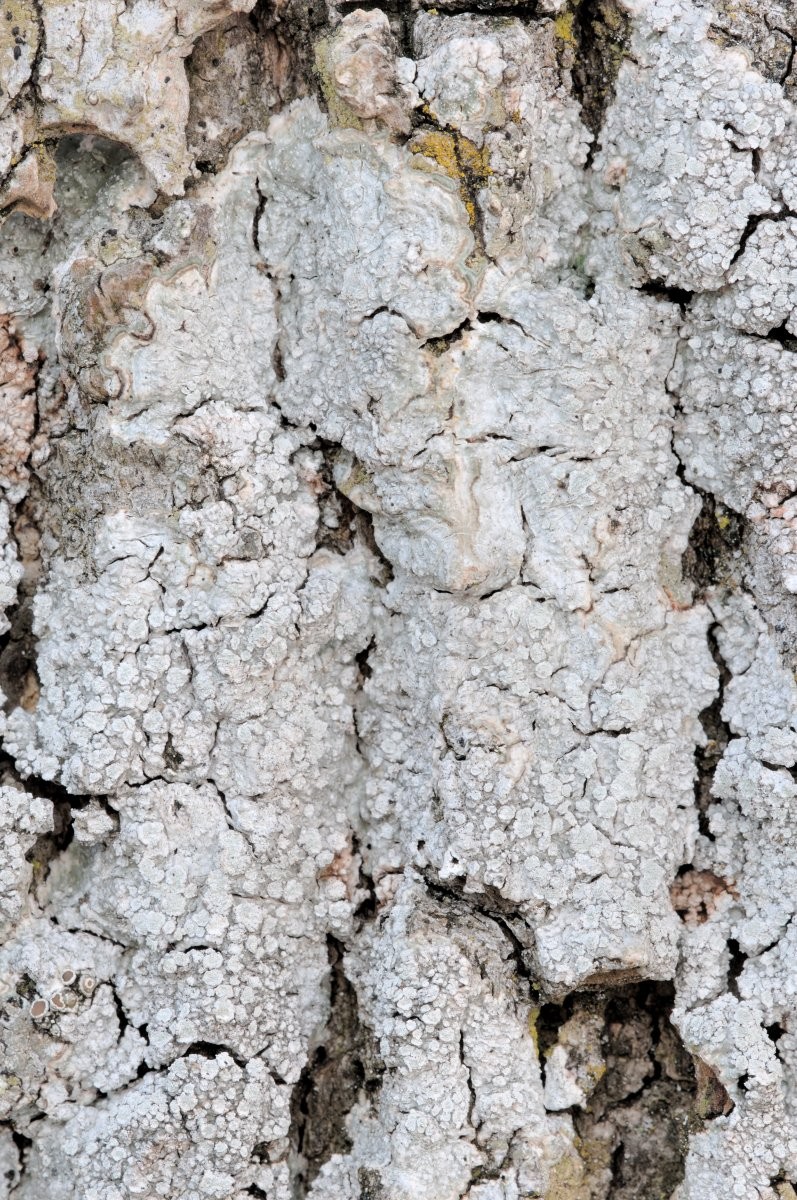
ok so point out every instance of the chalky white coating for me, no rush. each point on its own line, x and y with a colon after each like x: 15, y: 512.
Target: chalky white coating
x: 363, y: 470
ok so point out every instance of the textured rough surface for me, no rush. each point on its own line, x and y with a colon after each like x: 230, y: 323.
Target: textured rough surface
x: 398, y: 553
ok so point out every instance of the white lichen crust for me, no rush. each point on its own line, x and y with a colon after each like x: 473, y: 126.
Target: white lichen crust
x: 396, y: 510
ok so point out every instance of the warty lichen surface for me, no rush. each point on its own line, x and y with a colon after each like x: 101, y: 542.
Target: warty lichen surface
x: 397, y: 620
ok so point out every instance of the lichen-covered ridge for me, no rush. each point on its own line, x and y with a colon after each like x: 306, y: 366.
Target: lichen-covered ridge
x: 398, y: 474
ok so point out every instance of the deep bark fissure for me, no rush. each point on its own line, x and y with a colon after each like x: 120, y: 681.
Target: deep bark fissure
x: 343, y: 1067
x: 488, y: 902
x: 642, y: 1103
x: 718, y: 734
x: 753, y: 223
x: 601, y: 33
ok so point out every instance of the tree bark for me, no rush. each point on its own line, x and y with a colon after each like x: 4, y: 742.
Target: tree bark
x: 398, y: 495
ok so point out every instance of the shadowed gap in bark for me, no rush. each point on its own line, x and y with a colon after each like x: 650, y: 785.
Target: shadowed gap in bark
x: 597, y: 33
x: 343, y: 1067
x: 644, y: 1095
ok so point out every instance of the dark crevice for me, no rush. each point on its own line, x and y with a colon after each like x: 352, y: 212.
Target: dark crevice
x: 18, y: 646
x: 342, y: 521
x: 440, y: 345
x: 784, y: 1186
x: 489, y: 903
x: 278, y: 363
x: 343, y: 1067
x: 22, y: 1143
x: 639, y: 1082
x: 715, y: 541
x: 48, y: 846
x: 771, y: 766
x: 601, y: 34
x: 736, y: 960
x: 364, y: 672
x: 49, y: 789
x: 787, y: 70
x: 617, y: 1163
x: 400, y: 13
x: 213, y: 1050
x: 91, y: 933
x: 488, y: 8
x: 121, y: 1015
x: 41, y: 46
x: 779, y: 334
x: 366, y: 909
x: 718, y: 735
x: 260, y: 208
x: 23, y: 1146
x: 709, y: 563
x: 363, y: 665
x: 468, y: 1080
x: 203, y: 1049
x: 753, y: 222
x: 664, y: 291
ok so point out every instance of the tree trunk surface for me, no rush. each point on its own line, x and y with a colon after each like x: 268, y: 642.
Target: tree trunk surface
x: 398, y: 548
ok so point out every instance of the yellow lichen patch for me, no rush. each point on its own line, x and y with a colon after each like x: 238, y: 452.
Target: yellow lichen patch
x: 595, y: 1154
x: 475, y: 161
x: 563, y: 28
x: 45, y: 161
x: 723, y: 521
x: 355, y: 482
x: 613, y: 17
x: 460, y: 159
x: 19, y: 30
x: 440, y: 146
x: 437, y: 347
x: 568, y: 1181
x: 596, y: 1071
